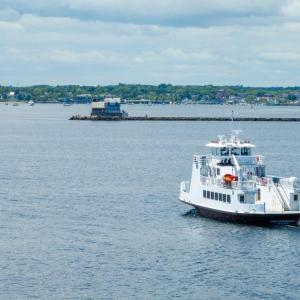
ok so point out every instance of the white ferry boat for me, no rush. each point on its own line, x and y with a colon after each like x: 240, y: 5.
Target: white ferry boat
x: 231, y: 185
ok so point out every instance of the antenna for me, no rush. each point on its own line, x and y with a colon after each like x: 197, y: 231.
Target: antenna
x: 232, y: 114
x: 234, y: 132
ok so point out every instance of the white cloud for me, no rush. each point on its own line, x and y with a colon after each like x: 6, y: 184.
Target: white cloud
x: 162, y: 12
x: 102, y: 42
x: 292, y: 9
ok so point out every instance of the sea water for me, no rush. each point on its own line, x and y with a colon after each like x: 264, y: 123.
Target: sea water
x: 90, y: 210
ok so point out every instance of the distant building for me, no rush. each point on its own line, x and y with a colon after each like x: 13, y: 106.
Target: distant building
x: 11, y: 95
x: 83, y: 98
x: 221, y: 96
x: 109, y: 107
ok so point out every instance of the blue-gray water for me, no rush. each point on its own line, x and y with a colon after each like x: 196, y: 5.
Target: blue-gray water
x: 90, y: 210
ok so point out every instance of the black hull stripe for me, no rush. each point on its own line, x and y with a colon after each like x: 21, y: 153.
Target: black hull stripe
x: 248, y: 218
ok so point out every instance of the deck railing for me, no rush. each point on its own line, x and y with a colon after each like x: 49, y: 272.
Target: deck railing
x: 249, y: 185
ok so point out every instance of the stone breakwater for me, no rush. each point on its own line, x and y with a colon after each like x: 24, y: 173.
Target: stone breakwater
x: 147, y: 118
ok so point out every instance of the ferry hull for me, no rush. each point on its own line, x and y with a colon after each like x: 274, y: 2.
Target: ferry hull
x: 250, y: 218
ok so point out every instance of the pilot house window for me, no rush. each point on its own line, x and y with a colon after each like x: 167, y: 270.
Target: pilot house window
x: 235, y: 151
x: 224, y: 151
x: 245, y: 151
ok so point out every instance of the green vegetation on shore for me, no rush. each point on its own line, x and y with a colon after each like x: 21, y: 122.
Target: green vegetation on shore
x: 160, y: 93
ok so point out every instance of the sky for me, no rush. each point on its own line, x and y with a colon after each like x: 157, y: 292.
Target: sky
x: 197, y: 42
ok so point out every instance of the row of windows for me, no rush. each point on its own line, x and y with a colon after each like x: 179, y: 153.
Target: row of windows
x: 216, y: 196
x: 233, y: 151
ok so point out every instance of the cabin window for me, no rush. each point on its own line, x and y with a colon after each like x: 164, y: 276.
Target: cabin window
x: 208, y: 194
x: 242, y: 198
x: 220, y: 197
x: 224, y: 151
x: 245, y: 151
x: 218, y: 171
x: 258, y: 195
x: 235, y: 151
x: 295, y: 197
x: 224, y: 198
x: 204, y: 194
x: 217, y: 151
x: 228, y: 199
x: 213, y: 151
x: 216, y: 196
x: 212, y: 195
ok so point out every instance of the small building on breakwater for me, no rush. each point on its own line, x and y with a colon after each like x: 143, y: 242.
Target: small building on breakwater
x: 108, y: 107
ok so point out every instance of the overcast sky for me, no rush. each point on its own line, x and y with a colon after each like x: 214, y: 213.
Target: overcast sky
x: 221, y: 42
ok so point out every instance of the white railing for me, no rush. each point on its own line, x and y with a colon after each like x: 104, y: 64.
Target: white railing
x: 249, y: 185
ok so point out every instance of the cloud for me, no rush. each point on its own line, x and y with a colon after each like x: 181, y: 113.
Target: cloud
x: 292, y: 9
x: 181, y: 42
x: 159, y: 12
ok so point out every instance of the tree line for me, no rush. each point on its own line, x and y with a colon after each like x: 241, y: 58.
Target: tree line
x: 161, y: 92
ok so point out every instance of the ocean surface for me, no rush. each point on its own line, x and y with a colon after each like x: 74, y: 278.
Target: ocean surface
x: 90, y: 210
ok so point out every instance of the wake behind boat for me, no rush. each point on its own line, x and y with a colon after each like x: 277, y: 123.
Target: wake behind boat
x: 231, y: 185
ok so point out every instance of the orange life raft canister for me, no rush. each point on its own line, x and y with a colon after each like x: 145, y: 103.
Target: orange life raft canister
x: 228, y: 178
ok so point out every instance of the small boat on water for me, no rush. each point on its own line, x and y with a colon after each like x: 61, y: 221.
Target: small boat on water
x: 15, y: 104
x: 231, y: 185
x: 30, y: 102
x: 67, y: 104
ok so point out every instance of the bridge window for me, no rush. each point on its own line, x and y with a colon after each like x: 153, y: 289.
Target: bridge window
x: 204, y: 194
x: 235, y: 151
x: 220, y: 197
x: 212, y: 195
x: 224, y: 151
x: 245, y: 151
x: 208, y: 194
x: 296, y: 197
x: 224, y: 198
x: 216, y: 196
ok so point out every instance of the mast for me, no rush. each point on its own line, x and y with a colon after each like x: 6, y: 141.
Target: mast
x: 231, y: 124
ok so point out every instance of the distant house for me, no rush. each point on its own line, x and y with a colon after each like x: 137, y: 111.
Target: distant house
x: 11, y: 95
x: 109, y: 107
x: 83, y: 98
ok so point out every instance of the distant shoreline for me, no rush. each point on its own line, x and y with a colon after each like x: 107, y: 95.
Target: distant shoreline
x: 150, y: 94
x: 155, y: 104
